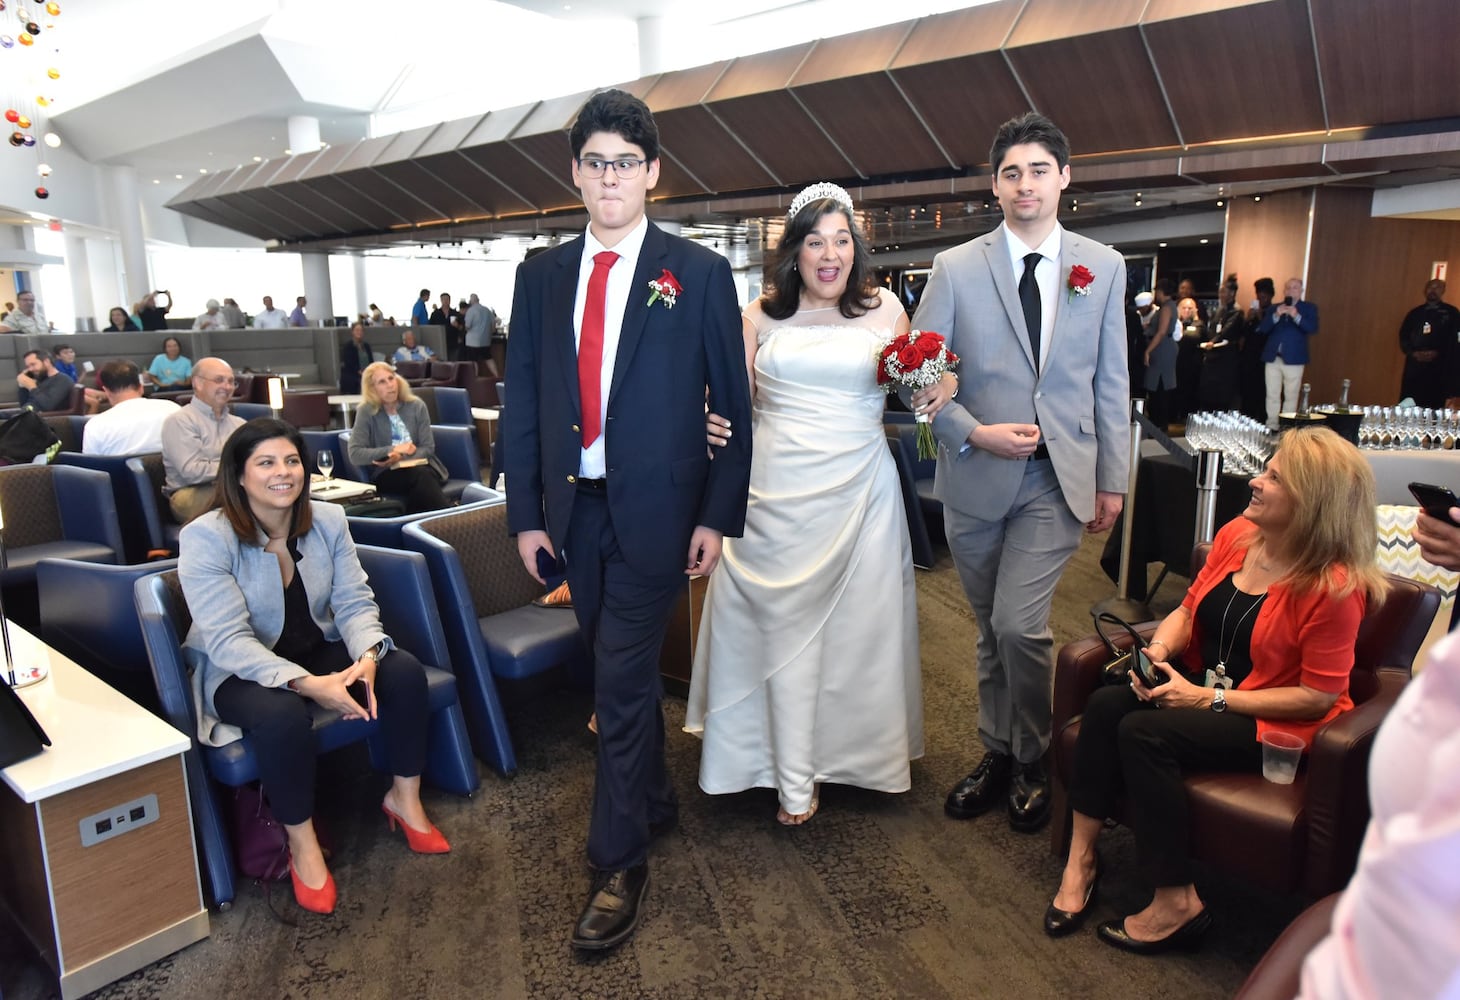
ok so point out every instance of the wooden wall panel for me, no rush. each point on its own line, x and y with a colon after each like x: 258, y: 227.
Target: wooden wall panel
x: 1266, y: 239
x: 1365, y: 274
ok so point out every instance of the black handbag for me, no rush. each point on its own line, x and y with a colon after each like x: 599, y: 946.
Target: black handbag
x: 1122, y: 661
x: 24, y: 436
x: 21, y: 736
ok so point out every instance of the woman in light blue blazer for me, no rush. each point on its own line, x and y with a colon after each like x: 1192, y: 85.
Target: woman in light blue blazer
x: 284, y: 627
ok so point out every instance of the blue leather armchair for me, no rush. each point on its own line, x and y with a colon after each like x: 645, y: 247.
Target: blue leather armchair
x: 127, y: 492
x: 407, y: 607
x: 56, y: 512
x: 387, y: 531
x: 148, y: 475
x: 492, y: 627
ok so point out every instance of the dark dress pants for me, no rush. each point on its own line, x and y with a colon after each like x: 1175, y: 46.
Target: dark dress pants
x: 278, y: 724
x: 417, y: 486
x: 1129, y: 747
x: 623, y: 616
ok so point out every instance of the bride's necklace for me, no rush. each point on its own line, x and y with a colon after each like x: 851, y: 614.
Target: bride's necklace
x: 1222, y: 640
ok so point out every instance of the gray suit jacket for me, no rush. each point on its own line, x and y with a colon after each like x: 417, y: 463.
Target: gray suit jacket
x: 1080, y: 400
x: 370, y: 438
x: 236, y: 597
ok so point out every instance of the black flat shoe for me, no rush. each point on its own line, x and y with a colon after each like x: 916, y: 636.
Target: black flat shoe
x: 1029, y: 805
x: 612, y: 912
x: 1188, y: 936
x: 1058, y: 923
x: 977, y: 793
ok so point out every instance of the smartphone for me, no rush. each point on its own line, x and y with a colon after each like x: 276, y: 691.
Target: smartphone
x: 1436, y: 501
x: 1144, y: 670
x: 547, y: 563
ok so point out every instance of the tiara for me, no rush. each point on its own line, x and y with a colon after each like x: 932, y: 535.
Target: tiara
x: 818, y: 191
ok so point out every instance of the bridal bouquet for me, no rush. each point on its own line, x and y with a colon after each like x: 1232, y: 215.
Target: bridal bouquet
x: 916, y: 360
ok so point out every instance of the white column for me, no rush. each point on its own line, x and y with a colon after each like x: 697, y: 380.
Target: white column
x: 655, y: 51
x: 127, y: 212
x: 303, y: 133
x: 83, y: 304
x: 362, y: 298
x: 14, y: 238
x: 321, y: 303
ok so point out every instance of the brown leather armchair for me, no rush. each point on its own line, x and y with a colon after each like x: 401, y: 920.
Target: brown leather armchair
x: 1280, y: 973
x: 1302, y: 837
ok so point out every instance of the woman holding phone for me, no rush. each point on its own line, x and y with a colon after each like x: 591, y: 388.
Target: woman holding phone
x: 1264, y: 641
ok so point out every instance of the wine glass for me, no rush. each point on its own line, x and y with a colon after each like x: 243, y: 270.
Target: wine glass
x: 326, y: 462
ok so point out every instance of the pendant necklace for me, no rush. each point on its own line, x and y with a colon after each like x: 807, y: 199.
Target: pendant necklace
x: 1222, y: 635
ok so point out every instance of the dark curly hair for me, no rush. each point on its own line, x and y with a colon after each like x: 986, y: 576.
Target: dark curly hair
x: 1030, y: 127
x: 620, y: 113
x: 783, y: 284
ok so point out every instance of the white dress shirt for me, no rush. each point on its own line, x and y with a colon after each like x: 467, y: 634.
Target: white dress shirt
x: 271, y: 319
x: 615, y: 303
x: 1046, y: 275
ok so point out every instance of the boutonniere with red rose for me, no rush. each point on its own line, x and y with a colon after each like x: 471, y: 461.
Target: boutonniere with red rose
x: 666, y: 287
x: 1081, y: 277
x: 916, y: 359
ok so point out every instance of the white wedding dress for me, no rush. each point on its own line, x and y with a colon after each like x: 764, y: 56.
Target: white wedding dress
x: 807, y: 664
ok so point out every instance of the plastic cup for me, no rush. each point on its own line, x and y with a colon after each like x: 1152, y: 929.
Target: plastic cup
x: 1280, y: 755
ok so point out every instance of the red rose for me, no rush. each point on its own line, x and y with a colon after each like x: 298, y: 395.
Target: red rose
x: 1080, y: 276
x: 910, y: 357
x: 929, y: 343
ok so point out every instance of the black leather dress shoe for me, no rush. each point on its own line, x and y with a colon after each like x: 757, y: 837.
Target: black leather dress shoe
x: 1058, y: 923
x: 1187, y: 936
x: 977, y: 793
x: 612, y: 912
x: 1029, y: 797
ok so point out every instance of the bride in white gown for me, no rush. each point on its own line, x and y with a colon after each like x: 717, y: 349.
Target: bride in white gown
x: 807, y: 669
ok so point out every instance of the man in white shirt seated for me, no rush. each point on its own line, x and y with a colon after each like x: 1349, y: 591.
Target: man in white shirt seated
x: 27, y: 317
x: 409, y: 350
x: 133, y: 424
x: 270, y: 318
x: 213, y: 319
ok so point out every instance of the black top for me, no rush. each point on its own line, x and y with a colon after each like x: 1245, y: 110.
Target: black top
x: 153, y: 318
x: 301, y: 638
x: 1226, y: 616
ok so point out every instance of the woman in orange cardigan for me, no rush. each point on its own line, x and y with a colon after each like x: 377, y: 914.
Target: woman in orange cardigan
x: 1263, y: 641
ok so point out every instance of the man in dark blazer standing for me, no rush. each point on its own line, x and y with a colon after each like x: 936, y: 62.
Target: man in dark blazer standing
x: 617, y: 337
x: 1033, y: 446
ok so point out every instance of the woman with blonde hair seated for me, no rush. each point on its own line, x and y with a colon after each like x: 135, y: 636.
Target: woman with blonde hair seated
x: 1263, y: 642
x: 284, y: 626
x: 392, y: 440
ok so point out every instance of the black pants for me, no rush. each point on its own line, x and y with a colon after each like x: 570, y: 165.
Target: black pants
x: 1129, y: 747
x: 417, y: 486
x: 623, y: 617
x: 277, y: 723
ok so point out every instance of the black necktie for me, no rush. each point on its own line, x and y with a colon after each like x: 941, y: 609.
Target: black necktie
x: 1029, y: 299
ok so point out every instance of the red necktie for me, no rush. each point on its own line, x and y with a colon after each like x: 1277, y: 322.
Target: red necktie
x: 590, y: 346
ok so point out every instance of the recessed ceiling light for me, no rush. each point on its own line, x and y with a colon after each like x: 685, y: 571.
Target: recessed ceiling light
x: 178, y: 176
x: 288, y: 152
x: 202, y: 170
x: 156, y: 181
x: 1160, y: 244
x: 1204, y: 242
x: 1220, y: 203
x: 1257, y: 197
x: 258, y: 159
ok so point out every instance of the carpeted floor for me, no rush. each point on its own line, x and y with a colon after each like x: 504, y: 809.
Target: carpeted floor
x: 879, y: 896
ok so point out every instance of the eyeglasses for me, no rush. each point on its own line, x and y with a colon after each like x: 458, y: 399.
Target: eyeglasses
x: 624, y: 169
x: 222, y: 380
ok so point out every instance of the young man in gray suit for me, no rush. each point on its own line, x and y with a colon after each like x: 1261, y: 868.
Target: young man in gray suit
x: 1033, y: 444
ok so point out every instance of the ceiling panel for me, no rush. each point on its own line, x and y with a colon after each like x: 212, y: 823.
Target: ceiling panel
x: 762, y: 73
x: 1388, y: 62
x: 958, y: 34
x: 785, y: 138
x: 1269, y: 163
x: 539, y: 190
x: 695, y: 138
x: 963, y: 101
x: 382, y: 215
x: 898, y: 142
x: 685, y: 88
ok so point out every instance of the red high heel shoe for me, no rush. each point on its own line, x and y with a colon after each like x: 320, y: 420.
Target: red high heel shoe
x: 429, y: 842
x: 321, y: 900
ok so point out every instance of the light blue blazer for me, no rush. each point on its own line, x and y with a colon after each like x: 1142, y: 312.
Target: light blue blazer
x: 236, y: 596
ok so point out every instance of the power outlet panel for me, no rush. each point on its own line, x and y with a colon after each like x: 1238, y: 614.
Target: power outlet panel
x: 117, y: 820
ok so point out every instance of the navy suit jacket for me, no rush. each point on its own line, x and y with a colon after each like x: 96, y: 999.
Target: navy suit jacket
x: 1289, y: 335
x: 661, y: 483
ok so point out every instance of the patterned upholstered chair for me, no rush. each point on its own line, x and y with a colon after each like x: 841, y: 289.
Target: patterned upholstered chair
x: 1399, y: 554
x: 492, y: 627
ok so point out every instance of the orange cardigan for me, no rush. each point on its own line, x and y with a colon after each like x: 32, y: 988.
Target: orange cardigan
x: 1298, y: 638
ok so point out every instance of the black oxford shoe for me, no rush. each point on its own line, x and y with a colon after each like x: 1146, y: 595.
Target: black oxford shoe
x: 612, y: 912
x: 1029, y: 798
x: 977, y: 793
x: 1188, y: 936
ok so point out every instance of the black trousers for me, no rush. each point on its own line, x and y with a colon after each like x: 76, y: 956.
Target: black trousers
x: 278, y: 724
x: 417, y: 486
x: 623, y: 617
x: 1129, y: 747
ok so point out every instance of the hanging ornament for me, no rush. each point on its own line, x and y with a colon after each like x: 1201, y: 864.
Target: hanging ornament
x: 44, y: 169
x: 26, y: 40
x: 53, y: 140
x: 22, y: 14
x: 32, y: 27
x: 41, y: 192
x: 23, y: 121
x: 6, y: 42
x: 44, y: 102
x: 53, y: 73
x: 12, y: 116
x: 17, y: 138
x: 2, y: 5
x: 53, y: 9
x: 29, y: 140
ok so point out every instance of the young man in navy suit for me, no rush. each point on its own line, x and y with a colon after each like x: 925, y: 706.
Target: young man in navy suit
x: 617, y: 338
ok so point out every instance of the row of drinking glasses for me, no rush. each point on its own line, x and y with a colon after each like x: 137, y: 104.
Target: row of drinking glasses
x: 1245, y: 443
x: 1391, y: 427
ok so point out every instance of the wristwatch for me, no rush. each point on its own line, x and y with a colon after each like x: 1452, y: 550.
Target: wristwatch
x: 374, y: 652
x: 1219, y: 699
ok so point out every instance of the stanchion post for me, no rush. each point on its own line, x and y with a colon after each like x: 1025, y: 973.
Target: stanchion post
x: 1208, y: 483
x: 1123, y: 605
